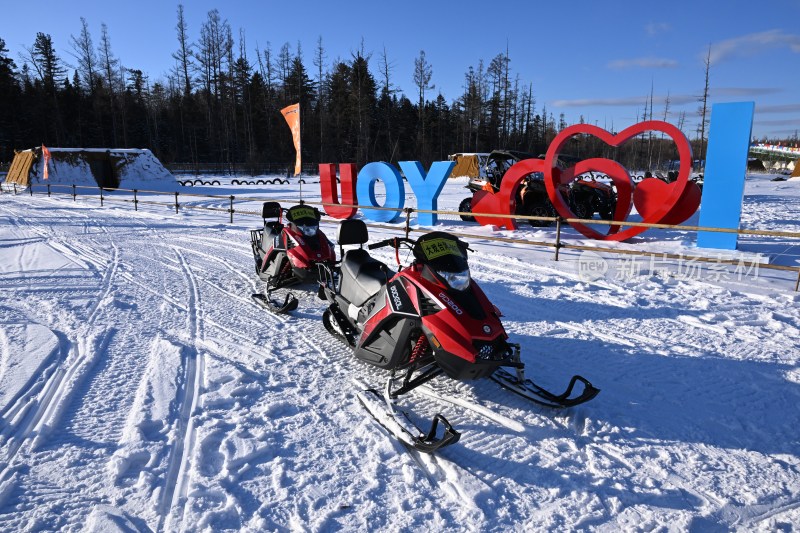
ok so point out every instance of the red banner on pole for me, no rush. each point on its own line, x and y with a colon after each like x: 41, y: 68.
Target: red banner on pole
x: 292, y: 115
x: 46, y: 157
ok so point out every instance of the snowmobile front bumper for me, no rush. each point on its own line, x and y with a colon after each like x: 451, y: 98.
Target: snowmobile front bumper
x: 490, y: 357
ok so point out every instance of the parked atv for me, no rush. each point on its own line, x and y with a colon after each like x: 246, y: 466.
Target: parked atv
x: 532, y: 198
x: 587, y: 196
x: 286, y: 255
x: 428, y: 319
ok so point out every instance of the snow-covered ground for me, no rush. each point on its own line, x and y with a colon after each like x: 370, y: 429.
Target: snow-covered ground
x: 141, y: 389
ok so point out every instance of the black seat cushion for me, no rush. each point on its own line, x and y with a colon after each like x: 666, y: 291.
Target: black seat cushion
x: 362, y: 276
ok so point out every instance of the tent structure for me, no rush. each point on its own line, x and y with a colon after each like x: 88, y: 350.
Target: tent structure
x: 93, y: 167
x: 472, y: 165
x: 796, y: 173
x: 20, y: 168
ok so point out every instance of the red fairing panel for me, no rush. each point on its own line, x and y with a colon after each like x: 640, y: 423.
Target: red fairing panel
x: 303, y: 256
x: 453, y: 327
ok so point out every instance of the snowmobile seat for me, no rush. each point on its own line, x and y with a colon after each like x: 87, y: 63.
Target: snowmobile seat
x: 362, y: 276
x: 271, y: 229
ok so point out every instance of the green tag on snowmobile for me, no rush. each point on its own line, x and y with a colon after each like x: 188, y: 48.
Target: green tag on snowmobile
x: 299, y: 212
x: 438, y: 247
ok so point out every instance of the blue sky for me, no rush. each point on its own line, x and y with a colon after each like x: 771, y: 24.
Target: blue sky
x: 593, y: 59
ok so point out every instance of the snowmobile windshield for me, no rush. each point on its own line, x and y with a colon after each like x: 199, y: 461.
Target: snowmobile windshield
x: 446, y: 256
x: 455, y: 280
x: 309, y: 230
x: 305, y: 218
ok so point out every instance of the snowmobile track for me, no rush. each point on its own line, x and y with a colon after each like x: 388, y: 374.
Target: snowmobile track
x: 37, y: 410
x: 176, y: 484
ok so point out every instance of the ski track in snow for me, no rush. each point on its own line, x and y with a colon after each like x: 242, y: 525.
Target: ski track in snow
x: 174, y: 402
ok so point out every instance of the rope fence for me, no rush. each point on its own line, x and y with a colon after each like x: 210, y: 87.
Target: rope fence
x: 557, y: 243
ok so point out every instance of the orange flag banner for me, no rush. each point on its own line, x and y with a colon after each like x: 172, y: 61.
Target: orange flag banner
x: 292, y: 115
x: 46, y: 156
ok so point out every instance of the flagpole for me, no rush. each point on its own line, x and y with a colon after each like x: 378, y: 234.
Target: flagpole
x: 300, y: 137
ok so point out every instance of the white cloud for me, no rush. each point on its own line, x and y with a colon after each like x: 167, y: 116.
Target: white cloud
x: 780, y: 122
x: 657, y: 28
x: 624, y: 102
x: 753, y: 44
x: 743, y: 91
x: 682, y: 99
x: 779, y: 108
x: 643, y: 62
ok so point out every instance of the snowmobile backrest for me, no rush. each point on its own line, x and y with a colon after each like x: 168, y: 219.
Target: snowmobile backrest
x: 271, y: 210
x: 352, y: 231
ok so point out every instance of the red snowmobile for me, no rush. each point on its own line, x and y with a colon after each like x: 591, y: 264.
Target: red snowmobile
x: 428, y: 319
x: 287, y: 255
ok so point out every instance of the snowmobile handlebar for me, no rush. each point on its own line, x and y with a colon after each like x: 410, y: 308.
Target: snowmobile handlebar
x: 394, y: 242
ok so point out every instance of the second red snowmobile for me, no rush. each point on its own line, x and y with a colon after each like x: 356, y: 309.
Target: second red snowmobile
x: 428, y: 319
x: 288, y: 254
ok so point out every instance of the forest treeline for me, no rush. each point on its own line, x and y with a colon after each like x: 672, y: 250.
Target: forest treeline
x: 221, y: 105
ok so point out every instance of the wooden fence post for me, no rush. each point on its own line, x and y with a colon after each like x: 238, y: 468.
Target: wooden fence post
x: 231, y: 209
x: 558, y: 236
x: 135, y: 201
x: 176, y: 202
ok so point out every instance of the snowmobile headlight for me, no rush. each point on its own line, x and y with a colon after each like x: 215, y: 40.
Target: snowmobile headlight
x: 456, y: 280
x: 308, y: 231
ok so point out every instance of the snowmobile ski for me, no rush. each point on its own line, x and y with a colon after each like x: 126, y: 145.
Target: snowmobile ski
x: 386, y: 413
x: 530, y: 390
x: 289, y: 304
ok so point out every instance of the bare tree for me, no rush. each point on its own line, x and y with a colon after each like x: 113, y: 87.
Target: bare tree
x: 319, y: 62
x: 423, y: 72
x: 650, y: 133
x: 184, y: 53
x: 284, y: 64
x: 387, y: 91
x: 84, y: 53
x: 666, y: 115
x: 506, y: 99
x: 704, y: 108
x: 109, y: 65
x: 212, y: 52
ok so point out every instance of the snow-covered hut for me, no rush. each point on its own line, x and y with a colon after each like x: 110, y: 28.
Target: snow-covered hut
x: 116, y: 168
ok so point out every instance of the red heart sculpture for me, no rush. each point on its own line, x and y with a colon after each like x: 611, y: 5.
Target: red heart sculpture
x: 656, y: 211
x: 650, y: 192
x: 621, y: 180
x: 504, y: 201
